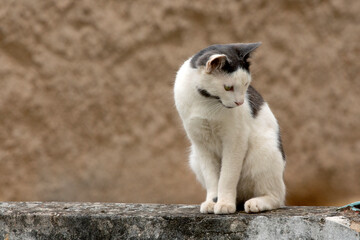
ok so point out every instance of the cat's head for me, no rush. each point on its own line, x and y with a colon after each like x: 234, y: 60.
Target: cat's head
x: 223, y: 72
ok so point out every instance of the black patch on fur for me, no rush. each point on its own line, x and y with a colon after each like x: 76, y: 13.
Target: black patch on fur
x: 255, y: 100
x: 215, y: 199
x: 280, y: 146
x: 237, y: 56
x: 206, y: 94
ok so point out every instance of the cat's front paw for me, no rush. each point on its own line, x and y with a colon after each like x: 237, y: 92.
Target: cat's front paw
x: 207, y: 207
x: 224, y: 208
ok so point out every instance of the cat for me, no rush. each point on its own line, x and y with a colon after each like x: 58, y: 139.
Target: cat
x: 236, y: 148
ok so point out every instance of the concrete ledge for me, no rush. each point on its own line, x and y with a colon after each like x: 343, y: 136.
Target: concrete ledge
x: 53, y: 220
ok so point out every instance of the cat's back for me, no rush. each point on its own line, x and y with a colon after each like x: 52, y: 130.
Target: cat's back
x: 261, y: 118
x: 183, y: 89
x: 181, y: 77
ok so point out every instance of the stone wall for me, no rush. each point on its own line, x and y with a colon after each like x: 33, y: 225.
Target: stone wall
x: 86, y: 105
x: 36, y: 220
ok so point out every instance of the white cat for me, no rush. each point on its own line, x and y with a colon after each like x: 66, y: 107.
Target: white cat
x: 236, y: 149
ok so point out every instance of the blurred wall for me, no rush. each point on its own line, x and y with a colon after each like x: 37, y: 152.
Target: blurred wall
x: 86, y: 99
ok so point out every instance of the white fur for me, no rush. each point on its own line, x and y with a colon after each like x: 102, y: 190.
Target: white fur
x: 234, y: 156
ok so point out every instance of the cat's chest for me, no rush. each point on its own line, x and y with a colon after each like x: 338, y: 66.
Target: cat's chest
x: 206, y: 131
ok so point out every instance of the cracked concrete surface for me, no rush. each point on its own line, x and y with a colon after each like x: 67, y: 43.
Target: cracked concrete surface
x: 36, y: 220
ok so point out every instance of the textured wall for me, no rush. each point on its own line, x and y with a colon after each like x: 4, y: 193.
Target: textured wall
x: 73, y: 221
x: 86, y: 105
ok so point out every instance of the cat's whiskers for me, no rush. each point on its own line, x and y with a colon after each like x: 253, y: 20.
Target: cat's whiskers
x: 215, y: 109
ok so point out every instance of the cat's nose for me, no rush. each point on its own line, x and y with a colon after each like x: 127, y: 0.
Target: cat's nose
x: 239, y: 103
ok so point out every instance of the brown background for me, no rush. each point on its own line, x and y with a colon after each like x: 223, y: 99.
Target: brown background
x: 86, y: 99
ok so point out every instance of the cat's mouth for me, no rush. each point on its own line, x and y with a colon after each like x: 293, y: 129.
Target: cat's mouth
x: 206, y: 94
x: 229, y: 107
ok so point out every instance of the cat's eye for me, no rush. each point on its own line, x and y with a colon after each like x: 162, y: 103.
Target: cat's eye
x: 229, y: 88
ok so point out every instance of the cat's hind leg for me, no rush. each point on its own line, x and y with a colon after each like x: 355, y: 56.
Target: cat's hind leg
x: 269, y: 194
x: 267, y: 178
x: 260, y: 204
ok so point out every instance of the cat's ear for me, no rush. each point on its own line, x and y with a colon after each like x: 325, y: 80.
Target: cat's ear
x: 247, y: 49
x: 216, y: 61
